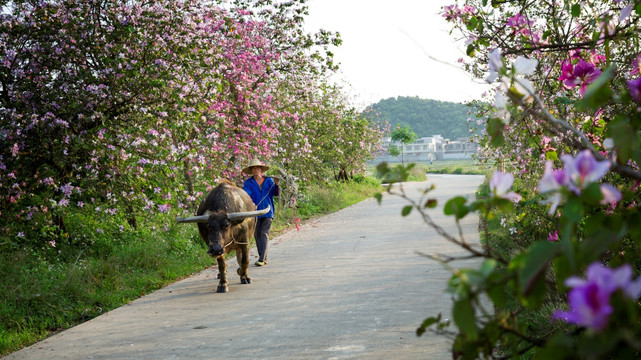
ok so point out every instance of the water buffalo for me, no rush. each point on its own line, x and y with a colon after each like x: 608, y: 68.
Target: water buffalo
x: 226, y: 220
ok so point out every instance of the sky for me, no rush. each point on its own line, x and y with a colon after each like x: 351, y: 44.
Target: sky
x: 384, y: 49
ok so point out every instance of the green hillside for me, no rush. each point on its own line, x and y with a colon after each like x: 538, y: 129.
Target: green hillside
x: 425, y: 117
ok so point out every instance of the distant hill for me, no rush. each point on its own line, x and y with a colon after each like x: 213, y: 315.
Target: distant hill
x: 425, y: 117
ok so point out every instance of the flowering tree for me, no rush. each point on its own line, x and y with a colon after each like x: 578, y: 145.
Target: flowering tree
x: 564, y: 120
x: 136, y: 108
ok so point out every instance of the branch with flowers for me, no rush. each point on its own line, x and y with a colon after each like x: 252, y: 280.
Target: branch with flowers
x: 564, y: 122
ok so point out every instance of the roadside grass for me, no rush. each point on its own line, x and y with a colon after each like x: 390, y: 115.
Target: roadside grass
x: 40, y: 295
x: 466, y: 167
x: 322, y: 199
x: 45, y: 289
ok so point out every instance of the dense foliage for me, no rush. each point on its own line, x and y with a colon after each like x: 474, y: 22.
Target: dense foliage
x: 565, y: 124
x: 136, y: 108
x: 426, y: 117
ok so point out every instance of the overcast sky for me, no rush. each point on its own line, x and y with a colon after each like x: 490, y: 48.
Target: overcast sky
x: 384, y: 46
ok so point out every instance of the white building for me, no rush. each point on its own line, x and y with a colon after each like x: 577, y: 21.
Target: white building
x: 430, y: 148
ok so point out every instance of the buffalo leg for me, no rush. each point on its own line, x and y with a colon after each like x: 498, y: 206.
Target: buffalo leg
x: 222, y: 275
x: 243, y: 261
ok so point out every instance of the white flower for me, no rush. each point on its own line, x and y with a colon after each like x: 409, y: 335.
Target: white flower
x: 525, y: 66
x: 496, y: 64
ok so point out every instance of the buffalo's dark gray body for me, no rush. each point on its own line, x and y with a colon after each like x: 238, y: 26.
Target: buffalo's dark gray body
x: 222, y: 234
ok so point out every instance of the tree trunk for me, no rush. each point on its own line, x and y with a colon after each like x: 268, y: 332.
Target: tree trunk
x: 131, y: 216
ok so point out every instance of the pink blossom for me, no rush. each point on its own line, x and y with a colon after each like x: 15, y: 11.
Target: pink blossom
x: 518, y: 21
x: 582, y: 74
x: 610, y: 194
x: 553, y: 237
x: 583, y: 170
x: 636, y: 64
x: 500, y: 183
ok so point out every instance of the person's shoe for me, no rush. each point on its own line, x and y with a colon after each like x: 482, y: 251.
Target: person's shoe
x: 260, y: 263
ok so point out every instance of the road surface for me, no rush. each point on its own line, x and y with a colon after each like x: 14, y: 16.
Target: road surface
x: 346, y: 286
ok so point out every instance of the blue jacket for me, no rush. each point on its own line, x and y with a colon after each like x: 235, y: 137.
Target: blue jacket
x: 262, y: 197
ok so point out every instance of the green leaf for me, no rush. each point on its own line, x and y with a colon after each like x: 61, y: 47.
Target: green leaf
x: 592, y: 194
x: 505, y: 205
x: 535, y: 262
x: 470, y: 50
x: 497, y: 295
x: 456, y: 206
x: 573, y: 209
x: 431, y: 203
x: 463, y: 315
x: 379, y: 198
x: 495, y: 128
x: 382, y: 169
x: 406, y: 210
x: 576, y: 10
x: 488, y: 267
x: 427, y: 323
x: 546, y: 34
x: 471, y: 25
x: 551, y: 155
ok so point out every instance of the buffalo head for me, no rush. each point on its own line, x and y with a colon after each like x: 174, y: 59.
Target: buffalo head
x: 219, y: 225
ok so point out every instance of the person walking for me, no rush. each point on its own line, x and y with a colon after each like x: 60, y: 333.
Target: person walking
x: 262, y: 190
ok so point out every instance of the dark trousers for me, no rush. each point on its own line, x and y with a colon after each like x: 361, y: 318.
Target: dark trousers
x: 260, y: 235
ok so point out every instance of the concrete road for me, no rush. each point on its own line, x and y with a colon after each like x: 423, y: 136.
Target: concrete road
x: 346, y: 286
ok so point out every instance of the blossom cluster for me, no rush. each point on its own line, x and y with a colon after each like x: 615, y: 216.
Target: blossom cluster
x: 577, y: 174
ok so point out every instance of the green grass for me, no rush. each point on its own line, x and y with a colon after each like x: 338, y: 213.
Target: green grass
x: 47, y: 289
x: 39, y: 296
x: 467, y: 167
x: 323, y: 199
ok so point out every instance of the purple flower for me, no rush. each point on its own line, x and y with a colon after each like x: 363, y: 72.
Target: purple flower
x: 500, y: 183
x: 578, y: 172
x: 583, y: 170
x: 163, y: 208
x: 553, y: 181
x: 583, y: 74
x: 589, y: 299
x: 553, y: 237
x: 635, y: 89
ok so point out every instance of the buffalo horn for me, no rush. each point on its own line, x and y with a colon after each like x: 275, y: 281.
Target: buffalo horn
x: 201, y: 218
x: 246, y: 214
